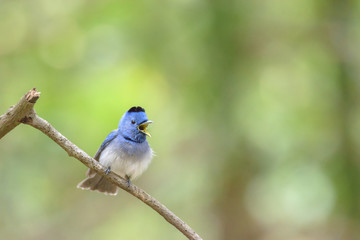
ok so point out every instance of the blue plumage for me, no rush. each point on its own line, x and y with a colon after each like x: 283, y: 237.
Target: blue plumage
x: 124, y: 151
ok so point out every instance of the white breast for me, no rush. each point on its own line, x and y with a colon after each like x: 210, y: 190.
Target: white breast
x: 125, y: 165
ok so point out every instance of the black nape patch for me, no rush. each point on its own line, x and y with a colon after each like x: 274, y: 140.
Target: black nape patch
x: 136, y: 109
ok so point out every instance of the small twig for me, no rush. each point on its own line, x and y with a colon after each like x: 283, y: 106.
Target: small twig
x: 23, y: 112
x: 15, y: 114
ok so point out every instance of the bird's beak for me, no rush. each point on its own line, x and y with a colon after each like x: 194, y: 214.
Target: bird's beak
x: 142, y: 127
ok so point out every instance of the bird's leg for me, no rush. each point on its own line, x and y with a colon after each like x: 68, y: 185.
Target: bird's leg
x: 107, y: 171
x: 128, y: 180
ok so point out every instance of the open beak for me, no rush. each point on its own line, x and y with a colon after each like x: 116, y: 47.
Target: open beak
x: 142, y: 127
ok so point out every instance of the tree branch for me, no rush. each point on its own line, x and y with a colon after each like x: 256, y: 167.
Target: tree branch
x: 13, y: 116
x: 23, y: 112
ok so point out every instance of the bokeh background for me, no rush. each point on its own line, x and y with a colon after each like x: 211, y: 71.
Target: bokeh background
x: 255, y: 108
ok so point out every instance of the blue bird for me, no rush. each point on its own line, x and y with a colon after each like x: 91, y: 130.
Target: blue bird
x: 125, y: 151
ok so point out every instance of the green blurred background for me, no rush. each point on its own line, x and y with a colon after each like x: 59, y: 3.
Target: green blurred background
x: 255, y: 109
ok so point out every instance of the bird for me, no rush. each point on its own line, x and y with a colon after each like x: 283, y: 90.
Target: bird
x: 125, y: 151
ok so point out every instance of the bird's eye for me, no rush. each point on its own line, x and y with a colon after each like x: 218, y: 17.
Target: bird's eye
x: 132, y: 121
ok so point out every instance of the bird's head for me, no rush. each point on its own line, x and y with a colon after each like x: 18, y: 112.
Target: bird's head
x: 133, y: 124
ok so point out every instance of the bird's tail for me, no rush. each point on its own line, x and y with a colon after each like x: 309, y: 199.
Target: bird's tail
x: 98, y: 183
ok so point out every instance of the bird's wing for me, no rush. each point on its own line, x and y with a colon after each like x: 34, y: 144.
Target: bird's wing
x: 106, y: 142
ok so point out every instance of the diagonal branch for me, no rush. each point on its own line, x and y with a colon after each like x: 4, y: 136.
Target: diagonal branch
x: 24, y: 112
x: 13, y: 116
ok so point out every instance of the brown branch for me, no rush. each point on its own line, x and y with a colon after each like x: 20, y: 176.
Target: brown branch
x: 23, y: 112
x: 15, y: 114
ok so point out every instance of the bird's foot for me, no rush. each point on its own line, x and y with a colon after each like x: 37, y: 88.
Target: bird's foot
x: 108, y: 170
x: 128, y: 181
